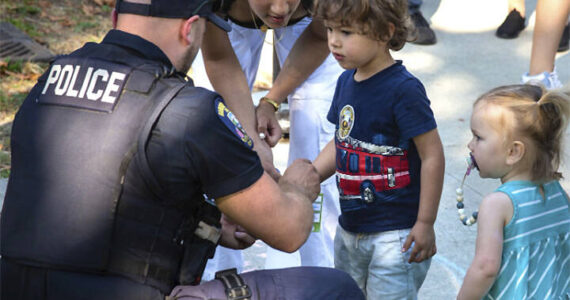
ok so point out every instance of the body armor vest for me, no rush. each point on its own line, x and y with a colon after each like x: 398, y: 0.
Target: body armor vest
x: 78, y: 140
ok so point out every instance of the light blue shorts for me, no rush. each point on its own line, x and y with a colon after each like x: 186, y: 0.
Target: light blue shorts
x: 377, y: 264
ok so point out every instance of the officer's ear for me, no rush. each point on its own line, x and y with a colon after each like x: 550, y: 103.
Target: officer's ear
x: 114, y: 17
x: 186, y: 29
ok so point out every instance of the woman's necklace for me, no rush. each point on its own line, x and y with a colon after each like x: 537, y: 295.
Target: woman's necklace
x: 264, y: 29
x: 459, y: 191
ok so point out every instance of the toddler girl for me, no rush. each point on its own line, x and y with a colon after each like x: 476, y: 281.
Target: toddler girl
x: 523, y: 234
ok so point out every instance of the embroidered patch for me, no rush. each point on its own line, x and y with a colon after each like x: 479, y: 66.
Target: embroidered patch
x: 345, y: 121
x: 232, y: 123
x: 84, y: 83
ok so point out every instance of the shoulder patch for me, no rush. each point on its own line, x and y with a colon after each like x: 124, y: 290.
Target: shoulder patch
x: 231, y: 122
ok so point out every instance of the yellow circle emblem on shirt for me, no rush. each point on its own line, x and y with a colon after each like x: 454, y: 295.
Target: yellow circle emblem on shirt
x: 345, y: 121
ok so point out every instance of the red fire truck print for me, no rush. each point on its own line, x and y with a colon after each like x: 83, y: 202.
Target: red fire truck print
x: 363, y: 169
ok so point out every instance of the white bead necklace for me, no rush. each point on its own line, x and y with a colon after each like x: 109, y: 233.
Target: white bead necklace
x: 459, y: 192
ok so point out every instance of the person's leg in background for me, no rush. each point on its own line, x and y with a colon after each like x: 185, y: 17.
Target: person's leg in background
x: 551, y: 18
x: 423, y: 33
x: 515, y: 21
x: 309, y: 133
x: 564, y: 44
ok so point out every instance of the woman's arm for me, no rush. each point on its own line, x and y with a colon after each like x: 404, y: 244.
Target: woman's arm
x: 228, y: 79
x: 308, y: 53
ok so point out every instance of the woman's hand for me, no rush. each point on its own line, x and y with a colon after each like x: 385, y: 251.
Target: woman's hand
x: 267, y: 123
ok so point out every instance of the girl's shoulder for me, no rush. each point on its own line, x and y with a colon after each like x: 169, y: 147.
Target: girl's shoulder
x: 496, y: 205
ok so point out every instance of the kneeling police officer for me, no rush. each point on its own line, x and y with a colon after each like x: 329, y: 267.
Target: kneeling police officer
x: 114, y: 152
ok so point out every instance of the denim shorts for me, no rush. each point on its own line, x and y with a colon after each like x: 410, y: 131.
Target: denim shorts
x: 375, y: 261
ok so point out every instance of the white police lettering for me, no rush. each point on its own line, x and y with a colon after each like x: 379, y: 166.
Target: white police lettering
x: 96, y: 84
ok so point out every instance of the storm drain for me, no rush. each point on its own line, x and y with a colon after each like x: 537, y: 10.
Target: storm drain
x: 16, y: 45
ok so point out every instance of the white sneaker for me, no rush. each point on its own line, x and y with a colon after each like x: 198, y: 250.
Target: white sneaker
x: 549, y: 80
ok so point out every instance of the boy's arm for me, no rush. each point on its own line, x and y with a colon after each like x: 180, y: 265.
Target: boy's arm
x: 325, y: 162
x: 422, y: 234
x: 493, y: 215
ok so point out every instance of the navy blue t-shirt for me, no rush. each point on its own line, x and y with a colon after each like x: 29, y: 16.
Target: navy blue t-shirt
x: 378, y: 166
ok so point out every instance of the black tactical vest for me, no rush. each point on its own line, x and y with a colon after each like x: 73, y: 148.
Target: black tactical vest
x: 78, y: 140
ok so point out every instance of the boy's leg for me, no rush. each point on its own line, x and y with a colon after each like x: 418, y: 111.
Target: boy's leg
x: 351, y: 255
x: 391, y: 276
x: 299, y: 283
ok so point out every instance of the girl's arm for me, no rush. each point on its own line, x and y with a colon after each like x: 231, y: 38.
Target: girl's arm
x: 495, y: 212
x: 325, y: 161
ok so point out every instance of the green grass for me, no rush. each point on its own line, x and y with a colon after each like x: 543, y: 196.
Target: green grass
x: 82, y: 26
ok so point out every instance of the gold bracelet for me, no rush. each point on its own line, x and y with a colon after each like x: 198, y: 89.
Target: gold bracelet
x: 273, y: 103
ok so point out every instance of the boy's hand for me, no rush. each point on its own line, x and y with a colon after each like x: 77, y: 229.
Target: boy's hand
x: 423, y: 237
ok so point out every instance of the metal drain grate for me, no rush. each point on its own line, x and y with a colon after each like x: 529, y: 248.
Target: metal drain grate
x: 15, y: 45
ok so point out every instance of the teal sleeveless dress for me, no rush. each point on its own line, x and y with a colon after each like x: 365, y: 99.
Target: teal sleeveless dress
x: 536, y: 247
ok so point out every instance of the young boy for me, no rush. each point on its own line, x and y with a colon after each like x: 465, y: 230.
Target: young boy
x: 389, y: 157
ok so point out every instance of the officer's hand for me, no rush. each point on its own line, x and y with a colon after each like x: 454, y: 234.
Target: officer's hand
x: 267, y: 123
x: 301, y: 177
x: 233, y: 235
x: 266, y: 157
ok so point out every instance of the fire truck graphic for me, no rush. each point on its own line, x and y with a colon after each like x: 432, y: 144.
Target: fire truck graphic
x: 363, y: 169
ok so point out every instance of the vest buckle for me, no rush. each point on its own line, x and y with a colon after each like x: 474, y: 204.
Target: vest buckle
x: 235, y: 287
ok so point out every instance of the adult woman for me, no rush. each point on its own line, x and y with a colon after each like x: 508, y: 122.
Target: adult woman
x: 307, y: 77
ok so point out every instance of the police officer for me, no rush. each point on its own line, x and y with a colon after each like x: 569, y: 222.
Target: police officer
x: 114, y: 156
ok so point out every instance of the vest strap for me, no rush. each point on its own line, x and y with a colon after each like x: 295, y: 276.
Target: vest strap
x: 141, y: 157
x: 236, y: 289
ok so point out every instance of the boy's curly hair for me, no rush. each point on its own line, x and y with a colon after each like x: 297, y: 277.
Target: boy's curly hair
x: 373, y: 16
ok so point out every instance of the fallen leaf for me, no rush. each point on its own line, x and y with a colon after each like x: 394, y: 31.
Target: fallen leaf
x: 87, y: 9
x: 44, y: 4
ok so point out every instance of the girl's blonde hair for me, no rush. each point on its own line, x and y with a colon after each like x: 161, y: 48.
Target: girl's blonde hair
x: 539, y: 119
x: 373, y: 16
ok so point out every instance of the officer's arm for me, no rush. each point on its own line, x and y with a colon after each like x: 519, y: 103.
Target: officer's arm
x: 280, y: 214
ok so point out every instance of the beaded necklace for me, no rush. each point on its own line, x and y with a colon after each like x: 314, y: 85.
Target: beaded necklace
x: 459, y: 192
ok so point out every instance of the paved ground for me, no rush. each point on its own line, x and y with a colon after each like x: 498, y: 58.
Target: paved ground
x: 467, y: 61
